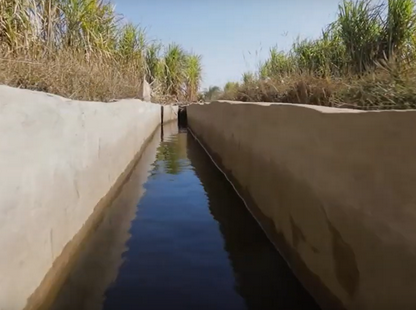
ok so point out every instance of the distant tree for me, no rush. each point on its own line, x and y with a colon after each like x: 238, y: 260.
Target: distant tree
x: 212, y: 93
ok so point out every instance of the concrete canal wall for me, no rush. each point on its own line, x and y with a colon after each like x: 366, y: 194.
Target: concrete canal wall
x: 334, y: 189
x: 61, y: 162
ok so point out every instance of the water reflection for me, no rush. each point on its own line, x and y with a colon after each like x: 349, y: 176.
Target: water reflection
x: 171, y: 155
x: 101, y: 257
x: 262, y: 277
x: 176, y: 258
x: 187, y: 243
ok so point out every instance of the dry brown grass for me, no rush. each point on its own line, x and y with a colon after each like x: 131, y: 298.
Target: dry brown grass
x: 83, y: 49
x: 365, y: 59
x: 381, y: 89
x: 71, y: 75
x: 298, y: 88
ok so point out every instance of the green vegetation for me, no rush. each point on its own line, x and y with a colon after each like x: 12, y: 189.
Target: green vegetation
x: 365, y: 60
x: 82, y: 49
x: 212, y: 93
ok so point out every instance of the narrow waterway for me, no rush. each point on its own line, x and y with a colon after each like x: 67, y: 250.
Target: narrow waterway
x: 179, y: 237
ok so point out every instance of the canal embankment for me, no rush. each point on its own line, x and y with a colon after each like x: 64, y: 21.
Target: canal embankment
x: 62, y: 161
x: 333, y: 188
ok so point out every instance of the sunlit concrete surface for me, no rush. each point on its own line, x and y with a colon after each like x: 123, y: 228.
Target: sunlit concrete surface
x: 59, y: 159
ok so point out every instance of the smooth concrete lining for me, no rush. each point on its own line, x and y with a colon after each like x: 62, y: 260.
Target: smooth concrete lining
x: 334, y: 189
x: 60, y: 161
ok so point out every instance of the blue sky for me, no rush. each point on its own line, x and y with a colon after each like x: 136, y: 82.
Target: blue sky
x: 232, y: 36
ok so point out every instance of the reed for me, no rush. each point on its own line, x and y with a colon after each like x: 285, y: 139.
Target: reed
x: 83, y: 49
x: 365, y: 59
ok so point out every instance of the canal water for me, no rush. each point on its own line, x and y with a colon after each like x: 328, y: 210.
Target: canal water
x: 178, y: 237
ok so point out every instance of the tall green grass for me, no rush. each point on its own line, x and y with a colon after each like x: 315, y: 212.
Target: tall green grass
x: 364, y: 59
x: 83, y: 49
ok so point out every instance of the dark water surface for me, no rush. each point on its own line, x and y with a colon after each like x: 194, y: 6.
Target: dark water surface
x: 187, y: 243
